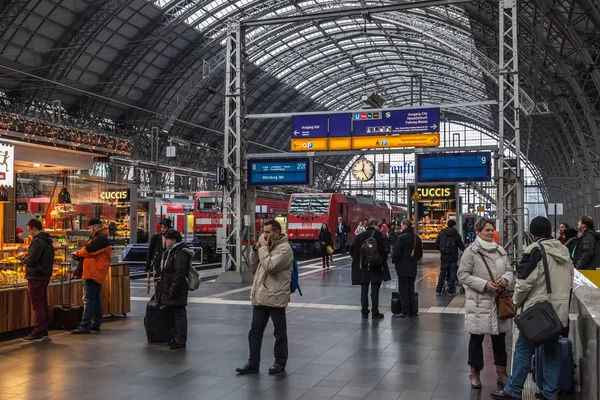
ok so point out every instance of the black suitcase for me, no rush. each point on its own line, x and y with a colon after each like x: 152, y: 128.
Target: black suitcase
x: 158, y: 323
x: 66, y: 317
x: 397, y: 306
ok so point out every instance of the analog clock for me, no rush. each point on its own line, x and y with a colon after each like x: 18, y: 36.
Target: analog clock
x: 363, y: 170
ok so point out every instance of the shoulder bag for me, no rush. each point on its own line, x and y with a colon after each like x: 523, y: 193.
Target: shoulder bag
x: 506, y: 309
x: 540, y: 322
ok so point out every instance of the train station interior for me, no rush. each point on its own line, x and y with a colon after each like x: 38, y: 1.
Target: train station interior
x: 174, y: 174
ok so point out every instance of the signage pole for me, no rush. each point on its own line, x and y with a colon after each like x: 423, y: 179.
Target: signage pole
x: 555, y: 222
x: 396, y: 185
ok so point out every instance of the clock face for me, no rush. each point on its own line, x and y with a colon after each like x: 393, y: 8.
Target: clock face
x: 363, y: 170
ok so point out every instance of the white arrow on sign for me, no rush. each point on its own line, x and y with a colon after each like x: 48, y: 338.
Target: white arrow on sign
x: 434, y: 126
x: 296, y: 133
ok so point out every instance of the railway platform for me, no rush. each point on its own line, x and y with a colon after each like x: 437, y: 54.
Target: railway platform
x: 333, y: 352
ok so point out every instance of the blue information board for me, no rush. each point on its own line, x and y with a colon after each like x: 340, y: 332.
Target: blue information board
x: 454, y: 167
x: 340, y: 125
x: 272, y: 172
x: 418, y: 120
x: 309, y: 126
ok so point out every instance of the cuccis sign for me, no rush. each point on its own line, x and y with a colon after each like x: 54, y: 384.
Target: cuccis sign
x: 436, y: 192
x: 115, y: 195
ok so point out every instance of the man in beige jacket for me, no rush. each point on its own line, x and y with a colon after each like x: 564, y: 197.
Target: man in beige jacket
x: 531, y: 289
x: 271, y: 261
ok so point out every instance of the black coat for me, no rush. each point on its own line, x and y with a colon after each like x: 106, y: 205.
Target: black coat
x: 364, y: 275
x: 456, y: 239
x: 174, y: 267
x: 325, y: 236
x: 155, y: 250
x: 403, y: 257
x: 345, y: 229
x: 40, y: 258
x: 587, y: 251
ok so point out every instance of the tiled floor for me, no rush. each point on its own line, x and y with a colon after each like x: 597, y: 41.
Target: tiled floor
x: 334, y: 354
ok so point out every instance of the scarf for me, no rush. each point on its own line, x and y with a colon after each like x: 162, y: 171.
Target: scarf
x: 487, y: 246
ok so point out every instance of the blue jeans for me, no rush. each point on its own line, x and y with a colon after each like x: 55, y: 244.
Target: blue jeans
x: 522, y: 365
x: 451, y: 265
x: 92, y: 305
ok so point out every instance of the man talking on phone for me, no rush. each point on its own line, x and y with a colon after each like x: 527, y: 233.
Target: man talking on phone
x: 271, y: 261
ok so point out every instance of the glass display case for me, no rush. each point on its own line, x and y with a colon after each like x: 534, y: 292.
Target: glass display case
x: 429, y: 231
x: 12, y: 270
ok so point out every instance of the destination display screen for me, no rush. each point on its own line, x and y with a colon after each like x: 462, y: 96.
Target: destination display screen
x: 454, y: 167
x: 272, y: 172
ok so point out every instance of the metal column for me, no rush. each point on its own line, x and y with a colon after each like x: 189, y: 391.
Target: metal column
x: 510, y: 213
x: 233, y: 262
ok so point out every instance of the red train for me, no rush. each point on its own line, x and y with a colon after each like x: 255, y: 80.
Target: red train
x: 207, y: 214
x: 309, y: 211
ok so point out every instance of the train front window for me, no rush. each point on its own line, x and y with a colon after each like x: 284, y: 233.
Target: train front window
x: 318, y: 205
x: 208, y: 204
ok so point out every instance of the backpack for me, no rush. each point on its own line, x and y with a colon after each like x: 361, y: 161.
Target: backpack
x: 193, y: 277
x: 369, y: 253
x: 295, y: 275
x: 447, y: 245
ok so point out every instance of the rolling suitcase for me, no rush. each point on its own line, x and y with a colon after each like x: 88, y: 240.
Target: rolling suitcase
x: 396, y: 307
x: 158, y: 323
x: 66, y: 316
x: 566, y: 381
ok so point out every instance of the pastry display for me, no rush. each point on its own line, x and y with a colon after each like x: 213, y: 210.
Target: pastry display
x: 13, y: 271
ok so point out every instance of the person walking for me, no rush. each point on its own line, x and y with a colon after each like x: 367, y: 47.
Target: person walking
x: 481, y: 310
x: 96, y: 256
x: 157, y: 245
x: 38, y: 262
x: 385, y: 230
x: 408, y: 250
x: 174, y: 266
x: 530, y: 289
x: 271, y: 261
x: 326, y: 241
x: 448, y: 242
x: 342, y: 234
x: 359, y: 229
x: 373, y: 275
x: 587, y: 248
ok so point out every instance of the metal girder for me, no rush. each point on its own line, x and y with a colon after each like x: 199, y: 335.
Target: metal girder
x: 10, y: 12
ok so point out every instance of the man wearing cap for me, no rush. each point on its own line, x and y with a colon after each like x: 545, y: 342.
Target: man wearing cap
x: 20, y: 236
x: 531, y: 289
x: 96, y: 256
x: 157, y: 245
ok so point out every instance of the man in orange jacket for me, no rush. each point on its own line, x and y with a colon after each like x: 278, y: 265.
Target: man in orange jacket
x: 96, y: 261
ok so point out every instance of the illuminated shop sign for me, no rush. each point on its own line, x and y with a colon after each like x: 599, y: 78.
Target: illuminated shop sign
x: 438, y: 192
x: 114, y: 195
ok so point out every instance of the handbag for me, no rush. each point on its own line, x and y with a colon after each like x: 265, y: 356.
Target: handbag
x: 506, y: 309
x: 540, y: 323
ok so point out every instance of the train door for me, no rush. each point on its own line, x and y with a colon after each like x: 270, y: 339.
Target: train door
x: 343, y: 211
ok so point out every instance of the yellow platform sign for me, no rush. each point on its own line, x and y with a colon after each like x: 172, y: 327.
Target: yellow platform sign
x: 316, y: 144
x: 340, y: 143
x: 385, y: 142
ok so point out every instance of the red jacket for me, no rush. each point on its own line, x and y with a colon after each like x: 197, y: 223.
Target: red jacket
x: 96, y: 256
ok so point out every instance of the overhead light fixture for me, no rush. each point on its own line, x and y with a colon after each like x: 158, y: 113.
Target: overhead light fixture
x: 64, y: 197
x: 4, y: 195
x: 19, y: 170
x: 37, y: 165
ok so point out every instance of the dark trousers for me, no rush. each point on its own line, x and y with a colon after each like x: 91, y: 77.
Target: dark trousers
x: 179, y: 315
x: 447, y: 267
x: 364, y: 297
x: 38, y: 293
x: 476, y: 351
x: 325, y: 256
x: 342, y: 242
x: 260, y: 318
x: 406, y: 289
x: 92, y: 305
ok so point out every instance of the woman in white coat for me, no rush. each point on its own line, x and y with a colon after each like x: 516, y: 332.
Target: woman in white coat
x: 481, y: 311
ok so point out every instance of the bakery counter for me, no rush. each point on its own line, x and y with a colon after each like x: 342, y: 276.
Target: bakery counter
x: 16, y: 305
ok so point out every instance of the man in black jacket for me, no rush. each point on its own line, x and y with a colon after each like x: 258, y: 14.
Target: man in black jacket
x: 342, y: 230
x: 587, y: 248
x: 364, y: 275
x: 448, y: 242
x: 157, y: 245
x: 408, y: 250
x: 38, y: 269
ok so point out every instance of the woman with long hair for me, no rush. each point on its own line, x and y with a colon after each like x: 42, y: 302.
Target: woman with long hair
x: 485, y: 273
x: 326, y: 241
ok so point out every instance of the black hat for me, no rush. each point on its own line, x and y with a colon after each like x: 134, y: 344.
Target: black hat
x: 94, y: 221
x: 540, y: 227
x: 173, y: 234
x: 166, y: 222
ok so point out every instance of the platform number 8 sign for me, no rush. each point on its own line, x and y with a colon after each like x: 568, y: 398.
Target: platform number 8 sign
x: 222, y: 176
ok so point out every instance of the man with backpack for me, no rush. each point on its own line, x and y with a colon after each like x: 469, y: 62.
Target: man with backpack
x: 369, y: 267
x: 448, y: 243
x: 408, y: 250
x: 272, y: 262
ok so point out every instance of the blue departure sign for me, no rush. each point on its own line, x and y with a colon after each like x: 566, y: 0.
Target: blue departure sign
x: 454, y: 167
x: 309, y: 126
x: 272, y: 172
x: 340, y: 125
x: 418, y: 120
